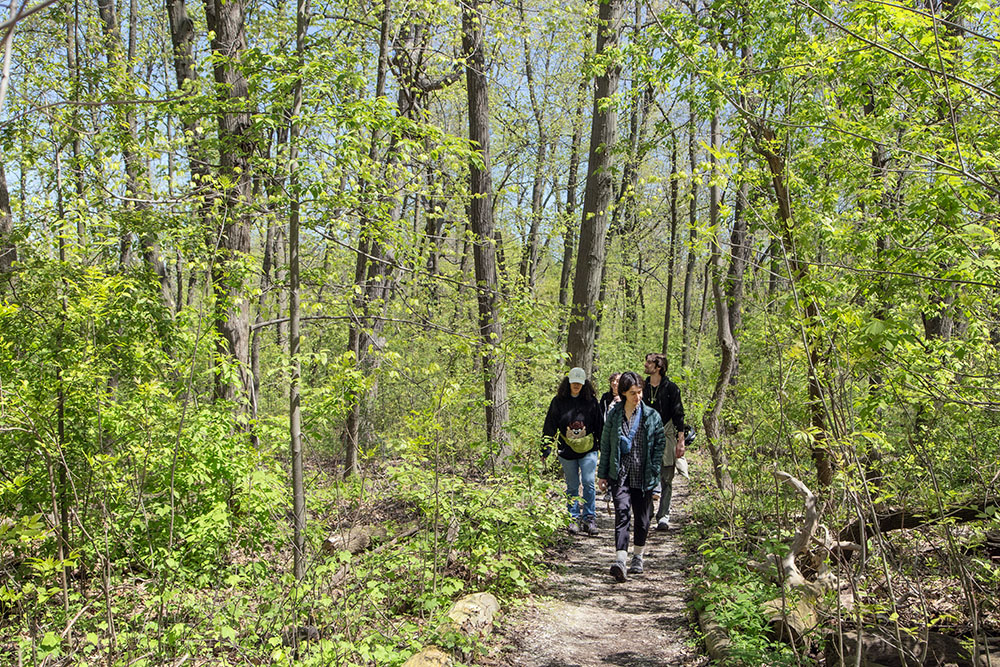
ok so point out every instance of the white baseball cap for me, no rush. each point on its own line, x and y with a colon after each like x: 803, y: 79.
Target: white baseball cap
x: 577, y: 375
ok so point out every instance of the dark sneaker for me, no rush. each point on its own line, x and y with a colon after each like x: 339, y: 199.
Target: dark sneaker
x: 663, y: 524
x: 590, y: 527
x: 574, y: 528
x: 618, y: 571
x: 636, y: 566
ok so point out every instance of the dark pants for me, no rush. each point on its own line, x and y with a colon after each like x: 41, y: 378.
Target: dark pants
x: 628, y: 502
x: 666, y: 491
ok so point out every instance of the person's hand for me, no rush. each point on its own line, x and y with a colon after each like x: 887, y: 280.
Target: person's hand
x: 602, y: 485
x: 680, y: 448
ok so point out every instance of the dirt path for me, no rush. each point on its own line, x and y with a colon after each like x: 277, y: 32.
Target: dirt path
x: 582, y: 617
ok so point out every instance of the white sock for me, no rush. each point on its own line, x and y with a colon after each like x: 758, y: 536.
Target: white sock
x: 640, y: 551
x: 621, y: 556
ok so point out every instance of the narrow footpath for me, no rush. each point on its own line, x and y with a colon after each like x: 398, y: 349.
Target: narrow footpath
x: 582, y: 617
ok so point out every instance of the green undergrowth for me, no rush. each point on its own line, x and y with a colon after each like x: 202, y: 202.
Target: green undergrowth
x: 732, y: 593
x: 444, y: 536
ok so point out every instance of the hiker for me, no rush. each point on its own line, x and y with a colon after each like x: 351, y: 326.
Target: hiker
x: 574, y: 421
x: 610, y: 397
x: 631, y: 450
x: 665, y: 397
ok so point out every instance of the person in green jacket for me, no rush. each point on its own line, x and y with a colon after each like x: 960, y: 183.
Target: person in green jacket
x: 631, y: 452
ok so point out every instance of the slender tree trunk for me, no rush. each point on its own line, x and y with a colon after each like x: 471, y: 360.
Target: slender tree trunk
x: 624, y: 215
x: 740, y: 252
x: 8, y: 249
x: 529, y: 255
x: 295, y: 413
x: 136, y: 186
x: 74, y: 73
x: 569, y: 236
x: 599, y: 193
x: 941, y: 323
x: 764, y: 143
x: 672, y: 258
x: 689, y: 273
x: 258, y: 332
x: 481, y: 222
x: 370, y: 276
x: 727, y: 341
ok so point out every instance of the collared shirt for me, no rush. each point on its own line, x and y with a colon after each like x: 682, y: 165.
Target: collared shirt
x: 631, y: 470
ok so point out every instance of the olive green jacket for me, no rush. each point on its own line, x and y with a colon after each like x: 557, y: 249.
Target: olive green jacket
x: 655, y: 443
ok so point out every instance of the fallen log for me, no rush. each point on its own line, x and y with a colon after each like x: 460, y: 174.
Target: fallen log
x: 908, y: 519
x: 341, y: 574
x: 878, y: 647
x: 717, y: 642
x: 790, y: 621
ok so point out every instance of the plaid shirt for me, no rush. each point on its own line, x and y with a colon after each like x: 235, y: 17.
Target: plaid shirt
x: 631, y: 468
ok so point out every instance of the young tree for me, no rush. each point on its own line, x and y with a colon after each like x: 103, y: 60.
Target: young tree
x: 481, y: 223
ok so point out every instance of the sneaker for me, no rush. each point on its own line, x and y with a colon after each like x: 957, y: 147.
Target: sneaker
x: 618, y: 571
x: 574, y: 528
x: 636, y: 566
x: 663, y: 524
x: 590, y: 527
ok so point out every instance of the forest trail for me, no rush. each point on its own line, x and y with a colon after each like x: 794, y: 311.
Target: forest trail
x: 582, y: 617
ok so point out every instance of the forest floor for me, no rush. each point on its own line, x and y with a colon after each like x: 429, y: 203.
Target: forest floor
x: 581, y: 616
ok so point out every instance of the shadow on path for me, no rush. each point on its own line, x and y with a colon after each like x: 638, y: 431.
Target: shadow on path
x: 581, y: 617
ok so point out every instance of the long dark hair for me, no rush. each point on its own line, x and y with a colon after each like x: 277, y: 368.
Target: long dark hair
x: 587, y: 391
x: 628, y: 380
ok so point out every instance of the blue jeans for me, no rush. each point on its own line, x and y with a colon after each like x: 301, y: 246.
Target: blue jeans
x: 579, y: 472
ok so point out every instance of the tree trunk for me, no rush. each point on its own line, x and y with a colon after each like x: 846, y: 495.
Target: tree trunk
x: 135, y: 174
x: 569, y: 236
x: 8, y: 250
x: 370, y: 274
x: 529, y: 255
x: 740, y: 253
x: 226, y: 21
x: 294, y: 405
x: 763, y: 144
x: 727, y: 341
x: 624, y: 215
x: 598, y: 195
x: 481, y: 222
x: 689, y: 273
x: 672, y: 258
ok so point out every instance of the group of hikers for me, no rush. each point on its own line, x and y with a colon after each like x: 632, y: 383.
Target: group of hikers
x: 626, y: 444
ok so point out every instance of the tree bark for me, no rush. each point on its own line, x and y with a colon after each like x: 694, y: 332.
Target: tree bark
x: 294, y: 403
x: 8, y: 250
x: 689, y: 272
x: 370, y: 276
x: 529, y: 255
x: 136, y: 187
x: 569, y: 236
x: 908, y: 519
x: 481, y: 222
x: 226, y: 20
x: 727, y: 341
x: 672, y: 258
x: 598, y: 195
x: 763, y: 144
